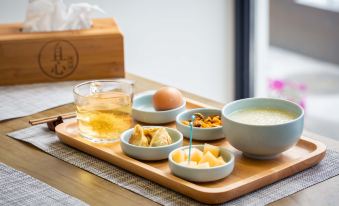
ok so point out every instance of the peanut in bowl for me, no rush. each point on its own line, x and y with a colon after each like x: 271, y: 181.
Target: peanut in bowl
x: 211, y: 131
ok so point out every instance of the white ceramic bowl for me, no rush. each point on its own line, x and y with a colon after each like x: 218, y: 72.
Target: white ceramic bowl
x: 203, y: 134
x: 150, y: 153
x: 263, y: 141
x: 203, y: 174
x: 144, y: 111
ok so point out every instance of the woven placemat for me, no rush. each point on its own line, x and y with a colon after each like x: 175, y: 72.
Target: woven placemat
x: 47, y: 141
x: 22, y: 100
x: 18, y: 188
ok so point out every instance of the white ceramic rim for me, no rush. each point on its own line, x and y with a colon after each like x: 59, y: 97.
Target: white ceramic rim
x: 256, y: 125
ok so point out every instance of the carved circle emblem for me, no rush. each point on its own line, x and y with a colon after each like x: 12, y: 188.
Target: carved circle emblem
x: 58, y: 59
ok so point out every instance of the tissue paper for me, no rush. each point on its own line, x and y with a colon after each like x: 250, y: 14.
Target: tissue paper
x: 54, y: 15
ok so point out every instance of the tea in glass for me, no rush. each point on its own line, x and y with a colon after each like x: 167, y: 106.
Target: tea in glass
x: 103, y: 109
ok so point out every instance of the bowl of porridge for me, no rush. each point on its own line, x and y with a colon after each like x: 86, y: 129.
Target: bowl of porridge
x: 262, y: 128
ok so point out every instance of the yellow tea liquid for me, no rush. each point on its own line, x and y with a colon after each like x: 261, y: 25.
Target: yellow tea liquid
x: 104, y: 116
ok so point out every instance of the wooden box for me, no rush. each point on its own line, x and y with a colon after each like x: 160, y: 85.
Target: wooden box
x: 94, y: 53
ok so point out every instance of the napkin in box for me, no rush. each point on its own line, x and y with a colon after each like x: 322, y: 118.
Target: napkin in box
x: 54, y: 15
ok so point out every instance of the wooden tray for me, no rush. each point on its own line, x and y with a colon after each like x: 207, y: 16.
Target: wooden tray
x: 248, y: 174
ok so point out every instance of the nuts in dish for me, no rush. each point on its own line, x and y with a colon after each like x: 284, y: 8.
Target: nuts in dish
x: 150, y: 137
x: 204, y: 122
x: 209, y: 157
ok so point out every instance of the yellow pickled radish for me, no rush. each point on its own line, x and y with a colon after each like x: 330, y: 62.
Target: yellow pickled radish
x: 221, y: 160
x: 203, y: 165
x: 212, y: 149
x: 210, y: 158
x: 196, y: 154
x: 178, y: 156
x: 189, y: 164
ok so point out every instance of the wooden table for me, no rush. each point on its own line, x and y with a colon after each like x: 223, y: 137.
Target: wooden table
x: 97, y: 191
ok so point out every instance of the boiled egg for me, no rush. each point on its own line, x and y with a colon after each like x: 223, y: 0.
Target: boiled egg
x: 167, y: 98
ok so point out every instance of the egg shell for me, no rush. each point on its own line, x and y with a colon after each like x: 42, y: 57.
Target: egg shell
x: 167, y: 98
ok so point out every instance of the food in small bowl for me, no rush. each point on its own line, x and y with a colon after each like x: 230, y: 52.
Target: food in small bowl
x: 203, y: 121
x: 144, y: 110
x: 206, y: 126
x: 150, y: 142
x: 150, y: 137
x: 207, y: 163
x: 262, y: 128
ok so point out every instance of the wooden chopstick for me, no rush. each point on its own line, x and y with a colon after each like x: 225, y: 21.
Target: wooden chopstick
x: 52, y: 118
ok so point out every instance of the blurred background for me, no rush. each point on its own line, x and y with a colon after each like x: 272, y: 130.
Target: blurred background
x: 186, y: 44
x: 191, y: 44
x: 299, y: 58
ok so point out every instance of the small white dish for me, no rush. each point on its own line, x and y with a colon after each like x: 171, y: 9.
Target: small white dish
x: 144, y: 111
x: 202, y: 134
x: 203, y: 174
x: 150, y: 153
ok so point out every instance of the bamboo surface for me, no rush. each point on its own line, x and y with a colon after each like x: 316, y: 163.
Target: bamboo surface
x: 248, y: 174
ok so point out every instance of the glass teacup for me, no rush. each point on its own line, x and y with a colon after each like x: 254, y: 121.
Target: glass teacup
x: 103, y: 109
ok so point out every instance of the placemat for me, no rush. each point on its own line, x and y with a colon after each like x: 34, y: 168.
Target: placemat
x: 47, y: 141
x: 18, y: 188
x: 22, y: 100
